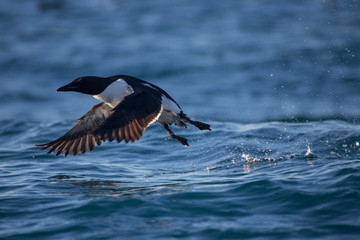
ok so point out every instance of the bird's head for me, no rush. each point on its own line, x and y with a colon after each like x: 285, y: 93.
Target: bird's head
x: 88, y: 85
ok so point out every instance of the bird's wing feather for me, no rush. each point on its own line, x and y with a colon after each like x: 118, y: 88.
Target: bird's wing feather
x: 79, y: 138
x: 131, y: 117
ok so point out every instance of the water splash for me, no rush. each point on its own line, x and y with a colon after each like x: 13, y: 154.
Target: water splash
x: 309, y: 153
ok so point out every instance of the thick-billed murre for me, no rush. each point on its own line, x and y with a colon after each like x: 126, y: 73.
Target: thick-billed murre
x: 128, y: 106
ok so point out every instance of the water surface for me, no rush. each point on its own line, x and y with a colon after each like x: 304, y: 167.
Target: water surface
x: 278, y: 82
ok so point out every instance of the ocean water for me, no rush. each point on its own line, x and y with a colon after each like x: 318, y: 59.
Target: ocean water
x: 279, y: 82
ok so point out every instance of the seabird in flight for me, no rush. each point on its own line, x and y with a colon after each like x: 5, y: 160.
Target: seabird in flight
x: 128, y: 106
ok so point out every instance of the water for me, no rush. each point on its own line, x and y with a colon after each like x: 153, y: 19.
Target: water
x: 278, y: 82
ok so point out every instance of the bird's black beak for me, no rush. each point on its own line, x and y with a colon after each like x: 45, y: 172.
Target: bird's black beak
x: 67, y: 88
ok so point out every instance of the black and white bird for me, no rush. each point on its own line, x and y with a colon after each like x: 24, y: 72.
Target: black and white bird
x: 128, y: 106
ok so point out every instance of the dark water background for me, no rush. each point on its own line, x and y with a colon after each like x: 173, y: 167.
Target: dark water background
x: 277, y: 80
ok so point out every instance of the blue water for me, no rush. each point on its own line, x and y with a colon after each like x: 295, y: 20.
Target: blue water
x: 278, y: 82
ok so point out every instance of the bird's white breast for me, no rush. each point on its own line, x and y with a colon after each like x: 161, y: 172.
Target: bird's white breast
x: 115, y: 92
x: 169, y: 105
x: 170, y: 111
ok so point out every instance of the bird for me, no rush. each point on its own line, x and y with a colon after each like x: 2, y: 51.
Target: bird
x: 128, y: 106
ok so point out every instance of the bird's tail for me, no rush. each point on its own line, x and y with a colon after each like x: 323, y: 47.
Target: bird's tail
x: 199, y: 125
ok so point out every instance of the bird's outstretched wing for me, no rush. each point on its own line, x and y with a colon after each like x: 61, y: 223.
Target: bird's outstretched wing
x: 131, y: 117
x: 79, y: 138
